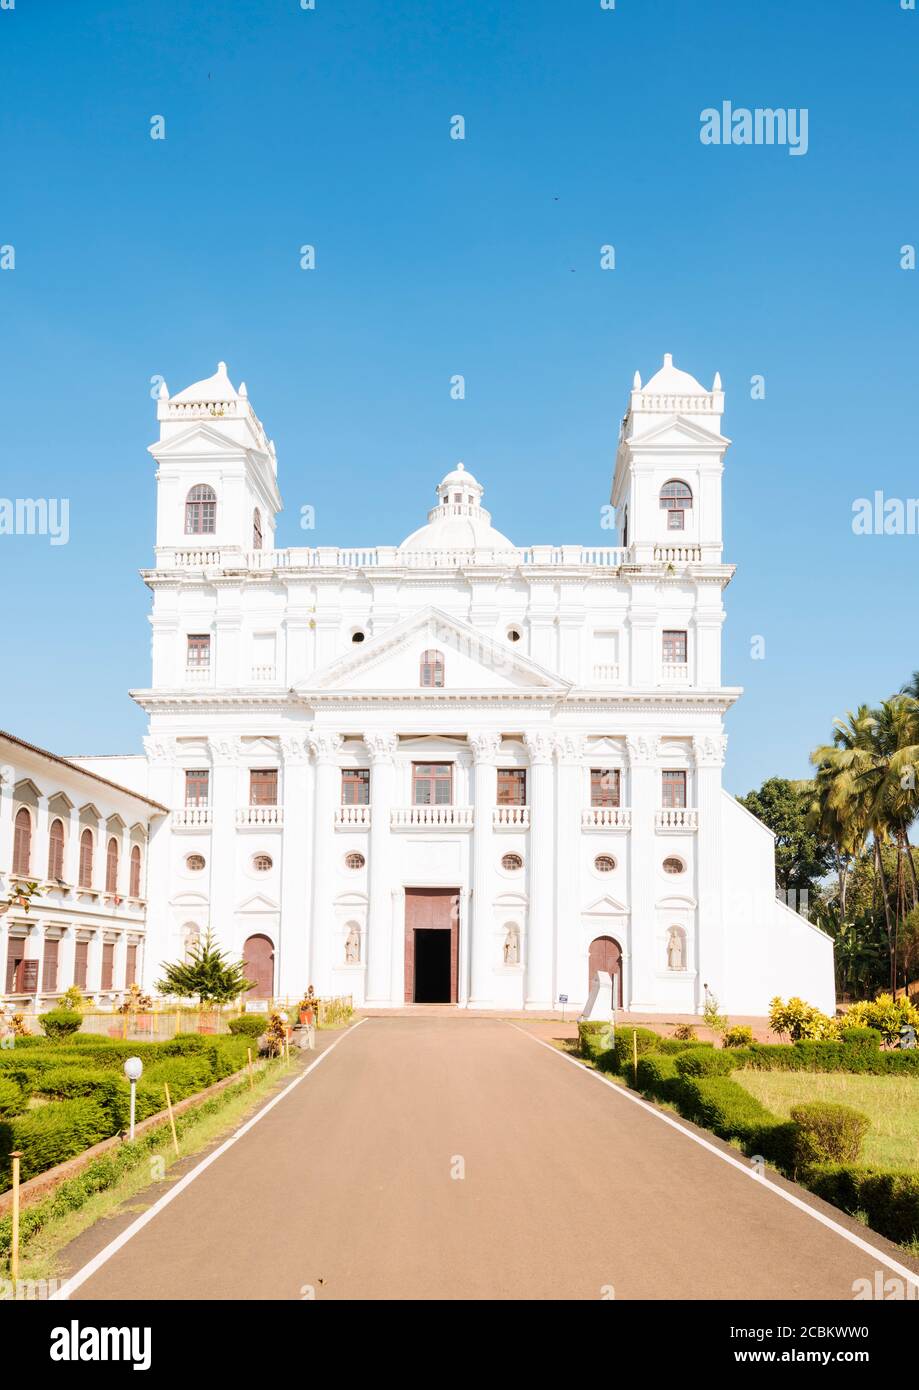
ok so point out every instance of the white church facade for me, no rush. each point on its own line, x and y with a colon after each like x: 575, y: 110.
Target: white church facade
x: 455, y: 770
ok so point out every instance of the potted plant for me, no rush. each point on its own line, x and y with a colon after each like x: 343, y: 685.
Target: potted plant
x: 309, y: 1008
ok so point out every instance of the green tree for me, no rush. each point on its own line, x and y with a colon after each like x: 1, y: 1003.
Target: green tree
x: 802, y: 856
x: 208, y: 975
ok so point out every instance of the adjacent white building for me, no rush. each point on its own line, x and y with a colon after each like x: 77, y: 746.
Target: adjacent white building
x: 456, y: 769
x: 73, y: 878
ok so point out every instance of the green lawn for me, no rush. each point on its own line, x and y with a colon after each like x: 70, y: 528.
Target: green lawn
x: 890, y: 1102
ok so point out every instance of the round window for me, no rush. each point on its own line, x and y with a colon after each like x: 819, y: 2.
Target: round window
x: 262, y: 863
x: 357, y: 636
x: 513, y: 634
x: 673, y: 865
x: 195, y: 863
x: 604, y: 863
x: 354, y: 861
x: 512, y: 862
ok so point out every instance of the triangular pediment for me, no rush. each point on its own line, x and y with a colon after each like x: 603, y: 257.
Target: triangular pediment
x: 200, y: 439
x: 677, y: 431
x: 603, y: 906
x: 258, y: 903
x: 472, y: 661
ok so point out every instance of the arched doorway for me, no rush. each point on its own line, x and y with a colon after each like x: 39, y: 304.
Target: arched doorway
x: 258, y: 965
x: 606, y: 954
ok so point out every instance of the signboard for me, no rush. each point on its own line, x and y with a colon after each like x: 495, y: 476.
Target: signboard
x: 563, y: 999
x: 256, y: 1006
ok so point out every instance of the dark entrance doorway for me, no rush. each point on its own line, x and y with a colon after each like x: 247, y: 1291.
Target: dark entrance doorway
x: 606, y: 954
x: 431, y: 945
x: 258, y: 966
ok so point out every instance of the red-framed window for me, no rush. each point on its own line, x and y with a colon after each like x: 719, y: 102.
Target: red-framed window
x: 512, y: 786
x: 111, y: 866
x: 108, y: 964
x: 676, y: 501
x: 263, y: 786
x: 355, y: 786
x: 605, y: 786
x: 86, y: 859
x: 673, y: 789
x: 197, y: 787
x: 432, y: 669
x: 130, y: 976
x: 56, y: 849
x: 49, y: 965
x: 199, y: 649
x: 22, y: 841
x: 80, y: 964
x: 432, y: 784
x: 201, y: 511
x: 674, y: 648
x: 134, y: 887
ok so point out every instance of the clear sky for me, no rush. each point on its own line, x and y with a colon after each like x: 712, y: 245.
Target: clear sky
x: 436, y: 256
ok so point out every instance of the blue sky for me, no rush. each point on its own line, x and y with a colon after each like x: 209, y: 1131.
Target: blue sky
x: 434, y: 256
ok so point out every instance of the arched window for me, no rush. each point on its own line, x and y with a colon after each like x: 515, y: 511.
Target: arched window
x: 201, y: 511
x: 86, y: 859
x: 56, y: 849
x: 676, y: 949
x: 432, y: 668
x: 111, y: 866
x: 256, y: 530
x: 134, y: 885
x: 22, y: 842
x: 676, y: 501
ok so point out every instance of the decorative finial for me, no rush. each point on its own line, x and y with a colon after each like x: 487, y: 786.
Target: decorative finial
x: 636, y: 382
x: 164, y: 391
x: 222, y: 367
x: 668, y: 359
x: 242, y: 391
x: 716, y: 384
x: 461, y: 467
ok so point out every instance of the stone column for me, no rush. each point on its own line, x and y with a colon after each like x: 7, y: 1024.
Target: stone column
x: 224, y: 799
x: 397, y: 953
x: 381, y: 745
x: 709, y: 750
x: 293, y: 949
x: 326, y: 748
x: 465, y: 959
x: 645, y: 794
x: 540, y: 933
x: 570, y: 974
x: 485, y: 745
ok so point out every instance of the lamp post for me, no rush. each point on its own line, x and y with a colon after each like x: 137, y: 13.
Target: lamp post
x: 133, y: 1070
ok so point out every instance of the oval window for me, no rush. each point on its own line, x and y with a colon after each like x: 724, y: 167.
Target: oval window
x: 604, y: 863
x: 262, y: 863
x: 672, y: 865
x: 512, y: 862
x: 354, y: 861
x: 195, y: 863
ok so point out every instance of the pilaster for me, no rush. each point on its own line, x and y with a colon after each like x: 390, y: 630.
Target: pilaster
x: 480, y: 954
x: 540, y: 935
x: 381, y: 746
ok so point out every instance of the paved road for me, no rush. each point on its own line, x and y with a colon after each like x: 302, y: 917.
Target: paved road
x: 347, y: 1186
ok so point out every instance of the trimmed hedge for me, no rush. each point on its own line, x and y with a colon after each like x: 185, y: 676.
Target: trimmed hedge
x: 254, y: 1025
x: 889, y: 1200
x: 12, y: 1097
x: 59, y: 1024
x: 51, y: 1134
x: 706, y: 1062
x: 828, y: 1133
x: 658, y: 1076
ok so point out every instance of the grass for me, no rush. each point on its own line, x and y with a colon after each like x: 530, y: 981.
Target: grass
x: 890, y: 1102
x: 39, y: 1257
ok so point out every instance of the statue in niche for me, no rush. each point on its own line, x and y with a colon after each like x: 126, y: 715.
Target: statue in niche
x: 353, y: 947
x: 675, y: 959
x: 512, y: 946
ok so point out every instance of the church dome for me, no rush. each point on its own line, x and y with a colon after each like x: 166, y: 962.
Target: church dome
x: 670, y: 381
x: 459, y: 521
x: 215, y: 388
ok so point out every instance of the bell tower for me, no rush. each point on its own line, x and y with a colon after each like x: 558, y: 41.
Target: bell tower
x: 217, y: 486
x: 667, y: 483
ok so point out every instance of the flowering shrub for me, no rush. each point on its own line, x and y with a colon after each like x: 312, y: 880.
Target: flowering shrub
x: 885, y: 1014
x: 798, y: 1020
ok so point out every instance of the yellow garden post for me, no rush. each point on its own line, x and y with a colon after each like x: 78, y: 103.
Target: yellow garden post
x: 14, y: 1244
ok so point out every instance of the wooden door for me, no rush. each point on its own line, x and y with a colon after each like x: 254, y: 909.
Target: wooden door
x: 606, y: 954
x: 258, y: 966
x: 431, y: 909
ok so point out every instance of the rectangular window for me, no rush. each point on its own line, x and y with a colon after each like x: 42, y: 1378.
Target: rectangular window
x: 432, y: 784
x: 263, y: 786
x: 512, y: 786
x: 108, y: 964
x: 604, y: 786
x: 675, y: 648
x: 80, y: 964
x: 199, y: 649
x: 676, y: 521
x: 131, y: 967
x: 355, y: 786
x: 49, y: 966
x: 673, y: 790
x: 15, y: 958
x: 196, y: 787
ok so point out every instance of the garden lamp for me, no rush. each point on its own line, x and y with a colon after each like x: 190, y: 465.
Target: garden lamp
x: 133, y: 1069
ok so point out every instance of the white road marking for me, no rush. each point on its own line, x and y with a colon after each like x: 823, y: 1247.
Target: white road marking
x: 744, y: 1168
x: 96, y: 1263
